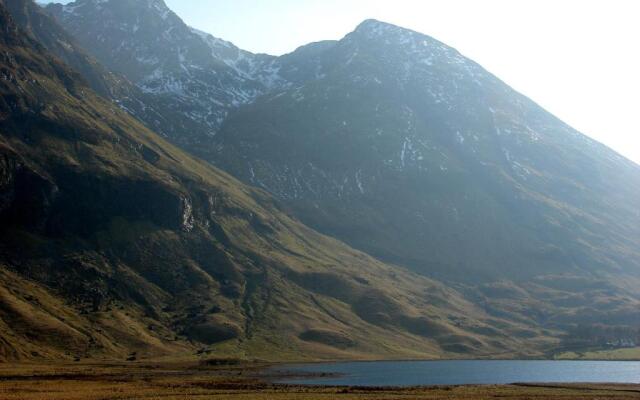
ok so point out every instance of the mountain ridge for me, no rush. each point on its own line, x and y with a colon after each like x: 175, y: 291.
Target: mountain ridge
x: 447, y: 87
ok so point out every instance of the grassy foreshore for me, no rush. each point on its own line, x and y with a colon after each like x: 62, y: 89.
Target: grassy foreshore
x: 248, y: 381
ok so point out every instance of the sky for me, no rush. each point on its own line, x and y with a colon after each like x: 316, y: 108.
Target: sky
x: 579, y: 59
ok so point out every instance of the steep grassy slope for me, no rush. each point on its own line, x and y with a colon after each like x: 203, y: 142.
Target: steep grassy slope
x: 113, y: 241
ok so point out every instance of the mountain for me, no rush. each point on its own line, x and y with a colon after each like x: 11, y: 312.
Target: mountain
x: 411, y: 152
x: 406, y: 150
x: 403, y: 148
x: 396, y: 144
x: 116, y: 244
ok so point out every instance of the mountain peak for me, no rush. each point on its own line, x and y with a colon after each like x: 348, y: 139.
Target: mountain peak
x: 374, y: 26
x: 158, y: 6
x: 375, y: 29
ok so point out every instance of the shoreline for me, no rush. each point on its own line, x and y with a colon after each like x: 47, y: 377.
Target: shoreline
x: 249, y: 381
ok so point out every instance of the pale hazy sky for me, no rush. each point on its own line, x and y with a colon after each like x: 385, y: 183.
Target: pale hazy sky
x: 579, y: 59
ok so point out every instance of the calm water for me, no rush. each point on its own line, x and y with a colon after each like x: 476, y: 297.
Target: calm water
x: 425, y: 373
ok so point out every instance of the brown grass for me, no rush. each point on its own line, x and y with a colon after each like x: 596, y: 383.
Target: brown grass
x: 169, y: 382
